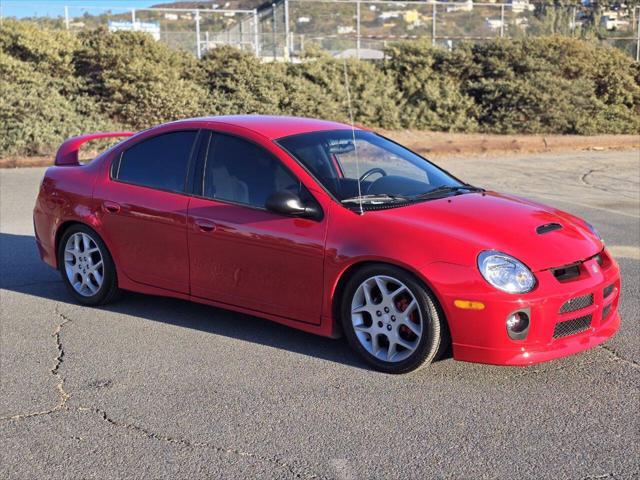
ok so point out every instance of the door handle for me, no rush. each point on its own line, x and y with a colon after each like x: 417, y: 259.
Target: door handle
x: 110, y: 207
x: 205, y: 225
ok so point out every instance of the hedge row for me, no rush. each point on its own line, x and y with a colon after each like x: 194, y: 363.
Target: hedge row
x: 54, y: 85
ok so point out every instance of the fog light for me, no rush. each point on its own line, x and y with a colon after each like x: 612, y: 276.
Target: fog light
x: 518, y: 325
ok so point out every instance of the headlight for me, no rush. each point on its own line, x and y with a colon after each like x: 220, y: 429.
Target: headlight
x: 505, y: 272
x: 594, y: 231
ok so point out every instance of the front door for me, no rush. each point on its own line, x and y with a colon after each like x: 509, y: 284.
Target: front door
x: 244, y: 255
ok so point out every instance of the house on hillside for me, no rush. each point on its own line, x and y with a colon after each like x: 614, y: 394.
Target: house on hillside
x: 494, y: 23
x: 520, y: 6
x: 460, y: 7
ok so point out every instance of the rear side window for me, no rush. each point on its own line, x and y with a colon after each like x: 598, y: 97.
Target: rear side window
x: 159, y: 162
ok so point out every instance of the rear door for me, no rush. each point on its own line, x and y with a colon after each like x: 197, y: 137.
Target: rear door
x: 145, y: 210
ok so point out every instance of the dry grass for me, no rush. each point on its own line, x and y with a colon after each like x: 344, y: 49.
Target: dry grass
x: 443, y: 145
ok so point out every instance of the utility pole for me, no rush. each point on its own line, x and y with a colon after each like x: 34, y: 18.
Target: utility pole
x: 274, y: 29
x: 358, y: 29
x: 286, y: 30
x: 433, y: 25
x: 256, y: 33
x: 502, y: 20
x: 198, y: 52
x: 66, y: 16
x: 638, y: 38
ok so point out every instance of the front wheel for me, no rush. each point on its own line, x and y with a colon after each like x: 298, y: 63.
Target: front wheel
x: 86, y: 266
x: 392, y: 320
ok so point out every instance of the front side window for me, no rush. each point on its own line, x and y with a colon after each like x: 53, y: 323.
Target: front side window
x: 241, y: 172
x: 159, y: 162
x: 362, y: 166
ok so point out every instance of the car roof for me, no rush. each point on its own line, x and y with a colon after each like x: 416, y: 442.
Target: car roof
x: 275, y: 126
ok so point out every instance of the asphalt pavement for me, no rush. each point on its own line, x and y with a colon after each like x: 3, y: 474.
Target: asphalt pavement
x: 152, y: 387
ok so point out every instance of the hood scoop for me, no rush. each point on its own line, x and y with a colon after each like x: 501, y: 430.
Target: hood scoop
x: 548, y: 227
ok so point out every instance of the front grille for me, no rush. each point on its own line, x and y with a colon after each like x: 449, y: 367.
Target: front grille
x: 569, y: 272
x: 608, y: 290
x: 605, y: 311
x: 571, y: 327
x: 577, y: 303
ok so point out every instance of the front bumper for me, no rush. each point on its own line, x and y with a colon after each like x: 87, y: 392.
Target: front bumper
x: 481, y: 335
x: 531, y: 354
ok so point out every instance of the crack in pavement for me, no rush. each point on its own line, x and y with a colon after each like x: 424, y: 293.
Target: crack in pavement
x: 191, y: 444
x: 609, y: 475
x: 616, y: 357
x: 584, y: 179
x: 55, y: 371
x: 64, y: 397
x: 584, y: 176
x: 613, y: 357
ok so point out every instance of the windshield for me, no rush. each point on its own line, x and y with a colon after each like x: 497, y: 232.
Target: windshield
x: 387, y: 171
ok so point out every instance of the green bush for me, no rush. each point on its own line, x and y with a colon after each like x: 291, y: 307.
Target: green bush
x: 54, y: 84
x: 36, y: 117
x: 48, y: 51
x: 240, y: 84
x: 374, y: 97
x: 429, y: 80
x: 537, y: 85
x: 137, y: 81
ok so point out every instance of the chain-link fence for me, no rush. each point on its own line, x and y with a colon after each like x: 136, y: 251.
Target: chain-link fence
x: 287, y: 29
x: 186, y: 29
x: 362, y: 28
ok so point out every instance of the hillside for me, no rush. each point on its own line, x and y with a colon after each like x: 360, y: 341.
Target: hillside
x: 232, y: 4
x: 54, y: 84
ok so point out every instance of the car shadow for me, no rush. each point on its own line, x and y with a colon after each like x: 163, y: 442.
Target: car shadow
x: 22, y: 271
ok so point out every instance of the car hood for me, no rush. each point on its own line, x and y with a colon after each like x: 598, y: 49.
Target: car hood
x: 466, y: 224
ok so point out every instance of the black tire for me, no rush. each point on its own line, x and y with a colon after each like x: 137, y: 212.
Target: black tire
x: 108, y: 291
x: 435, y: 336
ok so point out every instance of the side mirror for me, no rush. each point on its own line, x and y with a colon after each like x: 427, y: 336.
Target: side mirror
x: 288, y: 203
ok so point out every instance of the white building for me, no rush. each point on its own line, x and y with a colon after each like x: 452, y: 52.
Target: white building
x: 494, y: 24
x: 390, y: 14
x: 344, y: 29
x: 152, y: 28
x: 519, y: 6
x: 461, y: 7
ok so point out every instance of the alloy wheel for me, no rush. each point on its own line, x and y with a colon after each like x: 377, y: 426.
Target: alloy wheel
x: 386, y: 318
x: 83, y: 263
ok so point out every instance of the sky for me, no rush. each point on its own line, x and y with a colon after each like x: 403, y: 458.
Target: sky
x: 26, y: 8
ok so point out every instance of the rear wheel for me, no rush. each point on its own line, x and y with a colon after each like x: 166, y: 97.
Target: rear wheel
x: 86, y: 266
x: 392, y: 320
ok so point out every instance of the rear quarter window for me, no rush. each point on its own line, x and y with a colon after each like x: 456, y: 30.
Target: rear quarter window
x: 158, y: 162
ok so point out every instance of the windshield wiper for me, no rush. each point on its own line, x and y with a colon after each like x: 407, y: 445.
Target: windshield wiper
x: 448, y: 189
x: 376, y: 198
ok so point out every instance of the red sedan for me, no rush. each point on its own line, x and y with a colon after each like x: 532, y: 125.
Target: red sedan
x: 332, y: 230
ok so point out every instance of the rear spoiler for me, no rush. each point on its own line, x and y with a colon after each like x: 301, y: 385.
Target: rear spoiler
x: 68, y: 151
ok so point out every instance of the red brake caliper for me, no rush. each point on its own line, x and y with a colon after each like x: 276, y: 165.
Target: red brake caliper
x: 402, y: 304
